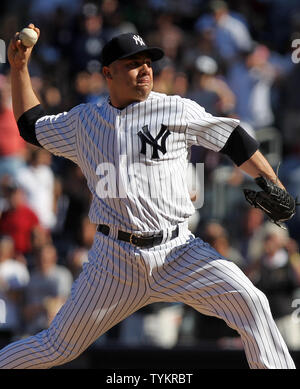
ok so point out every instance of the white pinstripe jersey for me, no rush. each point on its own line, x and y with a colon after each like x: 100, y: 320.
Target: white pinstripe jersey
x: 145, y: 182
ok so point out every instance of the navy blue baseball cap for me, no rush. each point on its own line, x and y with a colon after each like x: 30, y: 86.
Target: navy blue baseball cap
x: 126, y: 45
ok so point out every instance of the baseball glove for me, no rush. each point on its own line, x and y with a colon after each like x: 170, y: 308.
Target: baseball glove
x: 275, y: 202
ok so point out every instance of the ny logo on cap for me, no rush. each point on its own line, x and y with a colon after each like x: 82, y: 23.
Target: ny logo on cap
x: 138, y: 40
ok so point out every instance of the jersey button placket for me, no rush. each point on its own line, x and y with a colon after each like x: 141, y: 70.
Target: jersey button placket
x: 123, y: 153
x: 119, y: 155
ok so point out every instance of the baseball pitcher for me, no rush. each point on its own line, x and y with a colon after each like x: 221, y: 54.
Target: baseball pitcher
x: 133, y: 150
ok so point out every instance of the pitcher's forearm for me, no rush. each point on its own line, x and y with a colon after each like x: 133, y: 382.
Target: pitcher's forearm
x: 257, y: 166
x: 23, y: 96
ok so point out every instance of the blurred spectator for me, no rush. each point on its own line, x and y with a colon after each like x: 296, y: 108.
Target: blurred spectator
x: 157, y: 325
x: 61, y: 204
x: 108, y: 9
x: 17, y: 220
x: 75, y: 188
x: 85, y: 234
x: 97, y: 92
x: 290, y: 106
x: 251, y: 79
x: 88, y: 41
x: 12, y: 146
x: 164, y: 73
x: 216, y: 235
x: 113, y: 19
x: 48, y: 289
x: 75, y: 260
x: 202, y: 44
x: 52, y: 100
x: 168, y: 36
x: 37, y: 181
x: 167, y: 80
x: 290, y: 177
x: 40, y: 237
x: 210, y: 90
x: 281, y: 20
x: 278, y: 277
x: 250, y: 227
x: 40, y: 8
x: 14, y: 276
x: 73, y: 227
x: 180, y: 84
x: 89, y: 88
x: 82, y: 87
x: 231, y: 32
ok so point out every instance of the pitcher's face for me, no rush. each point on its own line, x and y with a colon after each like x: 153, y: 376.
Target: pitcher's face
x: 129, y: 80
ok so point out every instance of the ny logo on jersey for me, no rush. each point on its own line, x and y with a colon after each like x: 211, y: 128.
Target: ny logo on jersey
x: 146, y: 137
x: 138, y: 40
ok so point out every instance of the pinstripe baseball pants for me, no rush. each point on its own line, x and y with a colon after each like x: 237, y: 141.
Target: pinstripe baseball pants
x: 119, y: 279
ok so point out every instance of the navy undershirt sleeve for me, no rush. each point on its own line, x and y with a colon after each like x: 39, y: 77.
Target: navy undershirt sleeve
x: 26, y: 124
x: 240, y: 146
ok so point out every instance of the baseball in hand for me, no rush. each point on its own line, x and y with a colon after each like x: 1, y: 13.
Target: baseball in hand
x: 28, y: 37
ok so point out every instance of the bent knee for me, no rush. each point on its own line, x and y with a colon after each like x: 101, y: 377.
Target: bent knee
x: 55, y: 350
x: 254, y: 299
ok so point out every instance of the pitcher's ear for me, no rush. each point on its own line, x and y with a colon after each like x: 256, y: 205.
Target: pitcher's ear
x: 106, y: 72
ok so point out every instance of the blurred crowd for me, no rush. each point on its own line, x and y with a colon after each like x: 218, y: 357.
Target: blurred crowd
x: 235, y: 59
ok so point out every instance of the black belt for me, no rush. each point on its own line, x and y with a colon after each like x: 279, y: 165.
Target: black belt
x: 141, y: 241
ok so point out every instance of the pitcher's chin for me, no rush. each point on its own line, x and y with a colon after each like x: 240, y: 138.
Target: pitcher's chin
x: 143, y: 90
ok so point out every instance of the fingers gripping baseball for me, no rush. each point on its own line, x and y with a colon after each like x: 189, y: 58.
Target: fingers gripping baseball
x: 19, y: 54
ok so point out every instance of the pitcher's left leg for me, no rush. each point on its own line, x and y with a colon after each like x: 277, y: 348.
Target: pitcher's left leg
x: 246, y: 309
x: 203, y: 279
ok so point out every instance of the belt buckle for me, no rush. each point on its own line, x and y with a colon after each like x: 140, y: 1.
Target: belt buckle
x: 131, y: 237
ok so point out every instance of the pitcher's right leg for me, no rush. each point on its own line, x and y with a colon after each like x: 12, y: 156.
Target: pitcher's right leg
x: 104, y: 294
